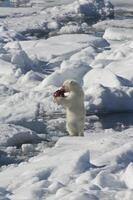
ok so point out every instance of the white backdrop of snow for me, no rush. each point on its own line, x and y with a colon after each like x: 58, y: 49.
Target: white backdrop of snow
x: 55, y: 174
x: 66, y: 55
x: 53, y: 19
x: 30, y: 71
x: 12, y: 135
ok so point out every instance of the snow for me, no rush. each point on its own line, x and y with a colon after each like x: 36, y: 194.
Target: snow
x: 120, y: 4
x: 39, y: 49
x: 6, y: 67
x: 70, y: 51
x: 127, y: 176
x: 101, y: 76
x: 116, y: 23
x: 124, y: 72
x: 7, y: 11
x: 12, y: 135
x: 120, y: 99
x: 118, y: 34
x: 55, y: 20
x: 55, y: 174
x: 66, y: 44
x: 27, y: 148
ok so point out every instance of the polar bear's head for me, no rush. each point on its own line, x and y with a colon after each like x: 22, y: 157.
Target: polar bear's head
x: 71, y: 85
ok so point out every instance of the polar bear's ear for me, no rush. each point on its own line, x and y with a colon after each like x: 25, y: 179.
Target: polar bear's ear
x: 72, y: 82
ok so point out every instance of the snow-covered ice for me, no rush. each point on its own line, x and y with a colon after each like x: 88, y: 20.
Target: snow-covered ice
x: 89, y: 173
x: 41, y: 47
x: 116, y: 23
x: 122, y: 5
x: 12, y: 135
x: 57, y: 19
x: 118, y: 34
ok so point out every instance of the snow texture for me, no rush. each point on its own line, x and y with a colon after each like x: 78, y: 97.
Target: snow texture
x: 55, y: 174
x: 40, y: 48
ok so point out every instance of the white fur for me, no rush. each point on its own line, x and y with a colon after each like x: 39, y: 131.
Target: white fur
x: 74, y: 104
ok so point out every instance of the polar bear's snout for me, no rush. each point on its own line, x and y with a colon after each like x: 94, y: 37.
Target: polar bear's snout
x: 65, y: 88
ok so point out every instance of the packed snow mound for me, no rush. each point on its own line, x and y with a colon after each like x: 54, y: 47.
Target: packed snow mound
x: 79, y: 61
x: 79, y: 57
x: 108, y: 85
x: 14, y: 63
x: 6, y: 68
x: 7, y: 35
x: 103, y: 99
x: 18, y: 57
x: 30, y: 80
x: 123, y: 69
x: 101, y: 76
x: 116, y: 23
x: 121, y: 156
x: 47, y: 176
x: 47, y: 171
x: 120, y: 34
x: 68, y: 70
x: 34, y: 110
x: 121, y: 52
x: 80, y: 196
x: 25, y: 104
x: 62, y: 45
x: 71, y: 28
x: 21, y: 60
x: 78, y: 64
x: 7, y: 91
x: 7, y: 73
x: 87, y: 54
x: 82, y: 9
x: 12, y: 135
x: 128, y: 175
x: 76, y: 38
x: 55, y: 20
x: 75, y: 52
x: 12, y: 11
x: 121, y: 5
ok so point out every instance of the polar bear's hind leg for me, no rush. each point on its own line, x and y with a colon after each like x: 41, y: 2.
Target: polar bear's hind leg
x: 72, y: 130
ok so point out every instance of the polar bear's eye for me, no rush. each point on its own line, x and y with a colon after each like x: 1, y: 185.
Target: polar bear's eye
x: 72, y: 82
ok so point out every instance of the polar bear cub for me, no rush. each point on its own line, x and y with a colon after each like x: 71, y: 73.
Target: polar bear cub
x: 74, y: 104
